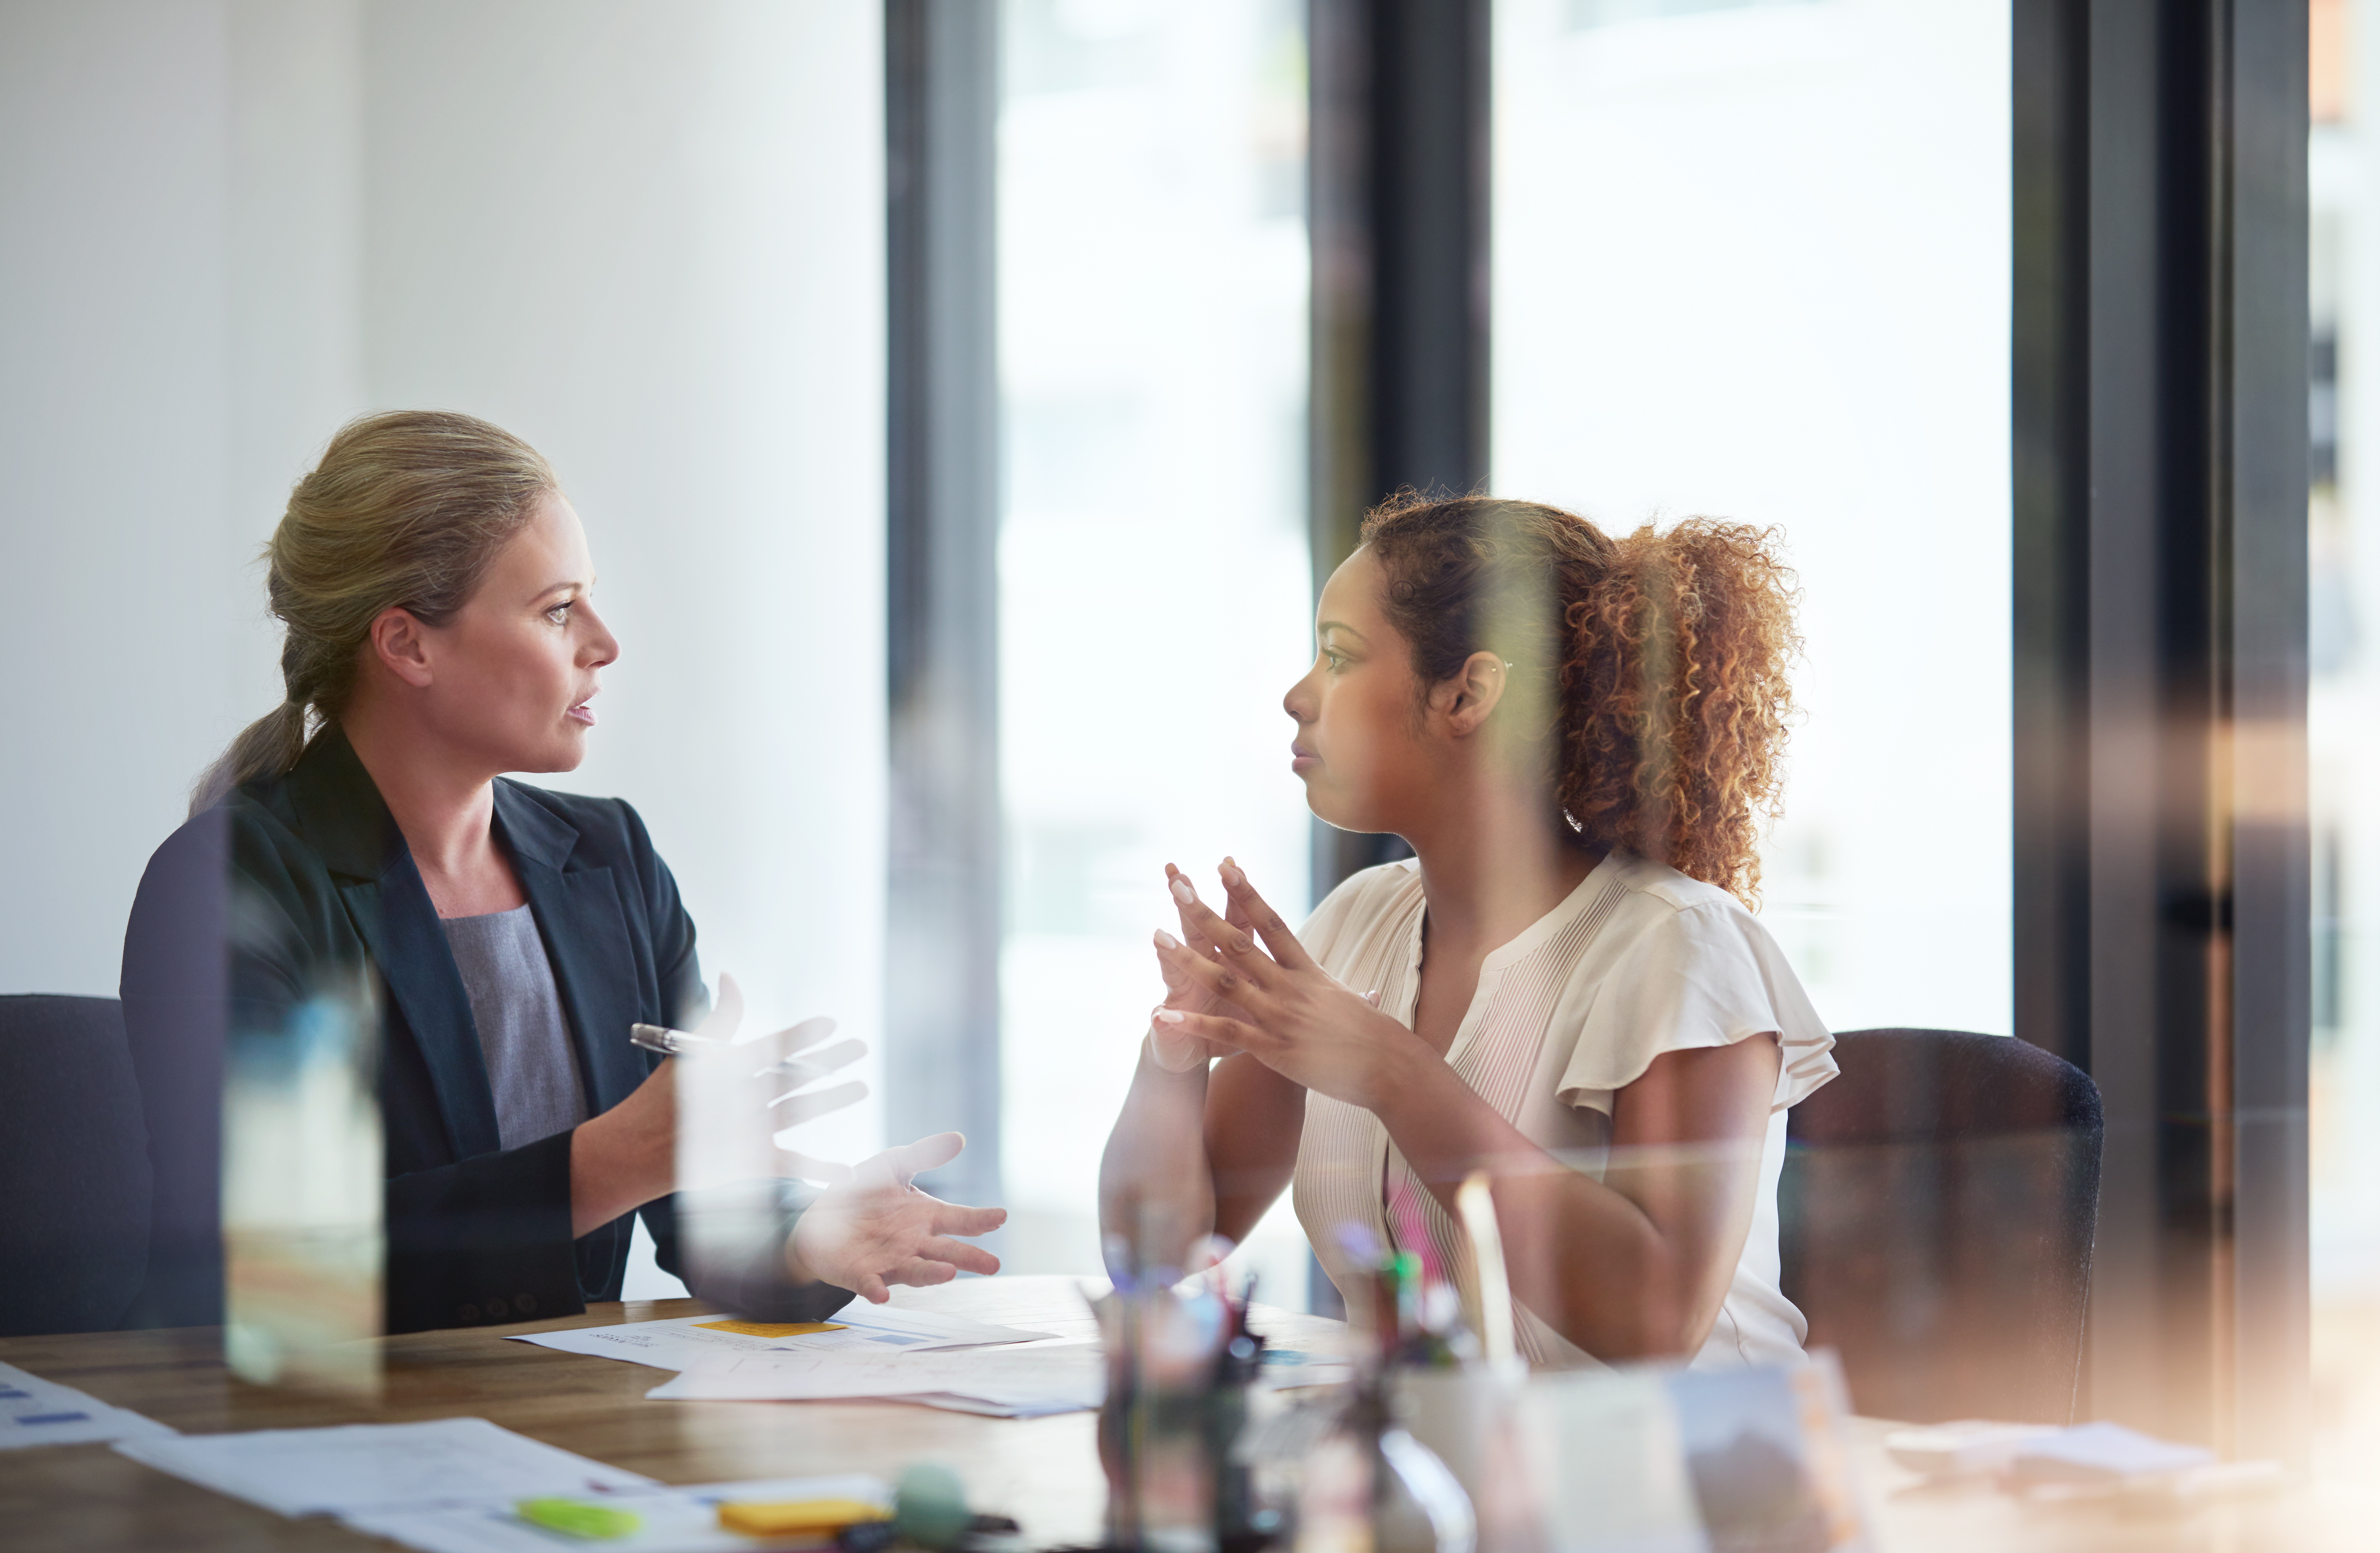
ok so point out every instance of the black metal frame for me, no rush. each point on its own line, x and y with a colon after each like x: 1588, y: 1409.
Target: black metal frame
x: 941, y: 991
x: 2160, y: 860
x: 1398, y: 190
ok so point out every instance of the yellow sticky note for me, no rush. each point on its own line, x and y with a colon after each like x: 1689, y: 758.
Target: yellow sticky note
x: 795, y: 1516
x: 772, y: 1329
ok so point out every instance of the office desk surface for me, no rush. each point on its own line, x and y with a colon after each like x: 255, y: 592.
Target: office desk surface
x: 1045, y: 1471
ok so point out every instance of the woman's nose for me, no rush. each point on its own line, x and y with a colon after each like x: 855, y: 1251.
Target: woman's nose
x: 1296, y: 699
x: 602, y: 648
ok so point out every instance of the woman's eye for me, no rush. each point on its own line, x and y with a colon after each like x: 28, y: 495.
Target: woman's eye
x: 559, y: 614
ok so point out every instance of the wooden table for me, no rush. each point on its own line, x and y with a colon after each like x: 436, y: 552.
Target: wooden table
x: 1045, y: 1471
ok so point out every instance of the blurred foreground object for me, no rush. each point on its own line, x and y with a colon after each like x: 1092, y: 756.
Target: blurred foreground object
x: 1937, y: 1208
x: 303, y: 1248
x: 1180, y: 1366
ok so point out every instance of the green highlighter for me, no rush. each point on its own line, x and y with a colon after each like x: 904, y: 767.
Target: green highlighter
x: 577, y: 1518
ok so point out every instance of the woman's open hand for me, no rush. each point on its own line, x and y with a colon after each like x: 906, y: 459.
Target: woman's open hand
x: 876, y: 1227
x: 1280, y: 1008
x: 734, y: 1098
x: 712, y: 1116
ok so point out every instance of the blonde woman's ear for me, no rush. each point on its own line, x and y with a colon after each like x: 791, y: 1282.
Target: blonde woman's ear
x: 398, y: 647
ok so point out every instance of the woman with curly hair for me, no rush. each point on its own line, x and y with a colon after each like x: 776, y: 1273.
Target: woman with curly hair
x: 1579, y: 736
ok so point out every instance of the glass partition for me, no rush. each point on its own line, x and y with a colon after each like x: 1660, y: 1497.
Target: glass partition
x: 1752, y: 261
x: 1154, y: 582
x: 2342, y: 713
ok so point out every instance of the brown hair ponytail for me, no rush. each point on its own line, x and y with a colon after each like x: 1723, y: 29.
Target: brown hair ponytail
x: 1664, y: 656
x: 405, y: 509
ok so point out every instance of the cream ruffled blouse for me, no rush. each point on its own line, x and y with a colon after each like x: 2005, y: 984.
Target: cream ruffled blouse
x: 1637, y: 961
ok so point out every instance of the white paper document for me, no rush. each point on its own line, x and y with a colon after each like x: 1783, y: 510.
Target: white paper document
x: 38, y: 1411
x: 859, y: 1328
x: 358, y: 1468
x: 670, y: 1519
x: 1056, y: 1377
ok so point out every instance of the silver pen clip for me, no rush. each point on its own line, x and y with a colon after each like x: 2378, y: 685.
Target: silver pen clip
x: 677, y: 1043
x: 662, y: 1039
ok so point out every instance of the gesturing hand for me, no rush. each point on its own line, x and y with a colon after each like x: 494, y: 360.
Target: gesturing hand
x: 733, y: 1097
x: 1176, y: 1050
x: 876, y: 1229
x: 716, y: 1126
x: 1282, y: 1007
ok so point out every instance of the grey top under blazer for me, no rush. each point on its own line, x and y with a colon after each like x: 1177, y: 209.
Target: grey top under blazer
x: 296, y: 878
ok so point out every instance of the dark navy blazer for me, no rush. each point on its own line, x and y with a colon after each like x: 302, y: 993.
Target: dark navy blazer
x: 245, y: 913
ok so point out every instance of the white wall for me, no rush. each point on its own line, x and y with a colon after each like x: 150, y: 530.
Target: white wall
x: 118, y: 561
x: 647, y: 238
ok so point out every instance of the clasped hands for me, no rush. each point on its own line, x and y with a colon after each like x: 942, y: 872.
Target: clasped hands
x: 1224, y: 993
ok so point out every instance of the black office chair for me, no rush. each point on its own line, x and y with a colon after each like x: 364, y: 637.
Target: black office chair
x: 74, y: 1167
x: 1936, y: 1219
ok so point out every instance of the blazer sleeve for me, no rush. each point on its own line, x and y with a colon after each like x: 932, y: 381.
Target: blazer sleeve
x: 483, y: 1241
x: 741, y: 1231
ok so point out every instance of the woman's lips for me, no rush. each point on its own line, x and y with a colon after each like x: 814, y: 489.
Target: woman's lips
x: 1302, y: 758
x: 582, y: 712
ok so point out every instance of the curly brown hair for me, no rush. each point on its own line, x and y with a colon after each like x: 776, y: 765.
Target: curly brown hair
x: 1666, y: 653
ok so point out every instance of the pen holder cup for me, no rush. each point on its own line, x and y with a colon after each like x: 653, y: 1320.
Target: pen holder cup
x: 1167, y: 1429
x: 1469, y: 1418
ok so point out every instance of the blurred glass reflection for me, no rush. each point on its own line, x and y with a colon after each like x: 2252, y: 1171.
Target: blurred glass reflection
x: 303, y: 1248
x: 1155, y: 589
x: 2343, y: 716
x: 1752, y: 262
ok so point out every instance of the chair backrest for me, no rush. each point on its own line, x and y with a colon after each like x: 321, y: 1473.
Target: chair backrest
x: 1935, y: 1217
x: 74, y: 1167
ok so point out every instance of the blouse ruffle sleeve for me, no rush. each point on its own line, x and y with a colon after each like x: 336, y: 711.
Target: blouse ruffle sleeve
x: 1705, y: 975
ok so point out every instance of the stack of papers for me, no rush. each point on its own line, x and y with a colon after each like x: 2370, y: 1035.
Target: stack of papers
x: 860, y: 1328
x: 1008, y: 1382
x: 863, y: 1351
x: 670, y: 1520
x: 38, y: 1411
x: 356, y: 1469
x: 455, y: 1485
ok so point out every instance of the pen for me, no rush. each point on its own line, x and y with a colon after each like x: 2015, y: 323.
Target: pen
x: 677, y: 1043
x: 662, y: 1039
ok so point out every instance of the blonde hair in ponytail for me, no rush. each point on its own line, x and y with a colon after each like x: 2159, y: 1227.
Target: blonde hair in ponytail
x: 406, y: 509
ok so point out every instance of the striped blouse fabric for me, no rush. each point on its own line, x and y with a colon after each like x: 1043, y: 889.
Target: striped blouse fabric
x: 1637, y: 961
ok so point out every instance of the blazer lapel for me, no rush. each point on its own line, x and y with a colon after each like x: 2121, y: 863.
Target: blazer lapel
x: 350, y: 828
x: 586, y: 932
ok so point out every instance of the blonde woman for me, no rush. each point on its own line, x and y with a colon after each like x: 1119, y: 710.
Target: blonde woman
x: 438, y: 596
